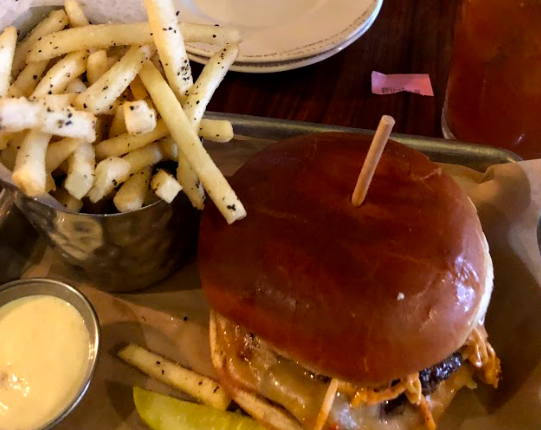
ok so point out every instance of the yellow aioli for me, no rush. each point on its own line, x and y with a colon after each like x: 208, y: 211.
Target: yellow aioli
x: 44, y: 350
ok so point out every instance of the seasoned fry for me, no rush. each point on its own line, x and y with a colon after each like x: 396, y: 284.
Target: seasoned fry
x: 131, y: 196
x: 76, y: 86
x: 110, y: 173
x: 50, y: 184
x: 5, y: 137
x: 69, y: 123
x: 8, y: 157
x: 201, y: 388
x: 61, y: 74
x: 198, y: 97
x: 169, y: 148
x: 190, y: 146
x: 8, y: 39
x: 143, y: 157
x: 216, y: 130
x: 127, y: 142
x: 67, y: 200
x: 100, y: 97
x: 29, y: 171
x: 19, y: 114
x: 139, y: 118
x: 80, y: 171
x: 75, y: 13
x: 138, y: 89
x: 104, y: 36
x: 96, y: 66
x: 29, y: 78
x: 191, y: 185
x: 56, y: 21
x: 59, y: 151
x: 118, y: 125
x: 210, y: 34
x: 165, y: 186
x: 170, y: 44
x: 57, y: 101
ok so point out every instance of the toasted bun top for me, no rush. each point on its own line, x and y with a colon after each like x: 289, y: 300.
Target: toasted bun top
x: 367, y: 294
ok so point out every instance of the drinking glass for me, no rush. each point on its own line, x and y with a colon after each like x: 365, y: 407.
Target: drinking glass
x: 494, y: 89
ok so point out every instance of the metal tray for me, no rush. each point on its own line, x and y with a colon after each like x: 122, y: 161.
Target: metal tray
x: 478, y: 157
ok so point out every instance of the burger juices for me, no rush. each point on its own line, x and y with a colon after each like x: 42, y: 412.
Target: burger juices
x: 326, y: 315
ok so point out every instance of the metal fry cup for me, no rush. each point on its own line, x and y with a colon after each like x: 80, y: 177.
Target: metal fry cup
x: 118, y: 252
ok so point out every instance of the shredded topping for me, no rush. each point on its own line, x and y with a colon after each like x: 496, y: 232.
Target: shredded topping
x: 426, y: 413
x: 481, y: 355
x: 477, y: 350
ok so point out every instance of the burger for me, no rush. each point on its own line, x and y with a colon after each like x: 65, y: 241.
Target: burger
x: 330, y: 316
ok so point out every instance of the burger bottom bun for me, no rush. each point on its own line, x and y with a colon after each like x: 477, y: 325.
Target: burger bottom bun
x: 276, y: 417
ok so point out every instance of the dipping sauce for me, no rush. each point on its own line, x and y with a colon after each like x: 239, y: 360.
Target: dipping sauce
x: 44, y: 355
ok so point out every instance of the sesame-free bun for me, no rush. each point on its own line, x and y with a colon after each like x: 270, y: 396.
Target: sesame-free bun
x: 366, y: 294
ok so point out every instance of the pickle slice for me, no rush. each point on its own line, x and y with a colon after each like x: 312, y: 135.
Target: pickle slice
x: 161, y: 412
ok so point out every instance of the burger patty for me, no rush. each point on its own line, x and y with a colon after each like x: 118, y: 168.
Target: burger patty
x: 430, y: 378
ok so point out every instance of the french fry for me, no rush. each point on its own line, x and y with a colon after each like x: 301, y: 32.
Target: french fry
x: 69, y: 123
x: 61, y: 74
x: 67, y: 200
x: 170, y: 44
x: 191, y: 185
x: 165, y: 186
x: 169, y: 148
x: 201, y: 388
x: 216, y: 130
x: 127, y: 142
x: 54, y: 22
x: 143, y: 157
x: 29, y: 77
x: 57, y: 101
x: 104, y: 36
x: 210, y: 34
x: 118, y: 125
x: 96, y: 65
x: 100, y: 97
x: 19, y: 114
x: 110, y: 173
x: 5, y: 138
x: 8, y: 157
x: 131, y: 195
x: 8, y: 39
x: 139, y: 118
x: 138, y: 89
x: 158, y: 64
x: 50, y: 184
x: 75, y: 14
x: 14, y: 92
x: 190, y: 146
x: 76, y: 86
x: 59, y: 151
x: 198, y: 97
x: 29, y: 172
x: 81, y: 173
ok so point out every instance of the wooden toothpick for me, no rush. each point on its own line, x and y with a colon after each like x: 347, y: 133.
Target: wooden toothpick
x: 377, y: 146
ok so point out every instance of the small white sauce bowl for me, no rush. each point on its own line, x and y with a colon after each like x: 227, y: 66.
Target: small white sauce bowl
x: 49, y: 287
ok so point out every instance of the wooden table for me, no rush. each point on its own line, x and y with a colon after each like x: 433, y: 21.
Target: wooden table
x: 409, y: 36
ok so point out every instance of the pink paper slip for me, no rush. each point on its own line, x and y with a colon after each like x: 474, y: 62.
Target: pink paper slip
x: 392, y: 84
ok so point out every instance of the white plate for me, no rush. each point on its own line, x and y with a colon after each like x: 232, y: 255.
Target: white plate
x: 282, y: 66
x: 282, y: 30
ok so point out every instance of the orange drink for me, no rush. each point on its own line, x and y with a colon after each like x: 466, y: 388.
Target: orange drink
x: 494, y: 89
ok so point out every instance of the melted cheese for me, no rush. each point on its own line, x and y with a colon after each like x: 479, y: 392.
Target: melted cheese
x: 258, y: 368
